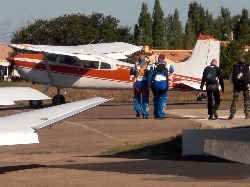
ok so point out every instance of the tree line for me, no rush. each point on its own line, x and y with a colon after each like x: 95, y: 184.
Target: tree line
x: 169, y: 29
x: 74, y: 29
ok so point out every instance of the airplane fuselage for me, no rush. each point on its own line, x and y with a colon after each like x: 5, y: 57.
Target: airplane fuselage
x: 34, y: 68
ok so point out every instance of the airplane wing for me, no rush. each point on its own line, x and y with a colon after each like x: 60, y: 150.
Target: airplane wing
x: 21, y: 128
x: 8, y: 95
x: 115, y: 50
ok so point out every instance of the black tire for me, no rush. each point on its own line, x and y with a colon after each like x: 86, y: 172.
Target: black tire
x: 35, y: 103
x: 201, y: 97
x: 58, y: 100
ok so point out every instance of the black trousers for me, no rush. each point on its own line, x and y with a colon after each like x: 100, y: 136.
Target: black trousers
x: 213, y: 106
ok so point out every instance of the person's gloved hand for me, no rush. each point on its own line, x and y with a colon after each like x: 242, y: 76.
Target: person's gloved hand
x: 131, y: 77
x: 201, y: 87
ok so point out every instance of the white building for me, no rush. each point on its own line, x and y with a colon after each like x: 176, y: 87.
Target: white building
x: 5, y: 52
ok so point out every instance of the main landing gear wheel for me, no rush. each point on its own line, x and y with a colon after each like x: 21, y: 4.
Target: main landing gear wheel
x: 200, y: 96
x: 58, y: 100
x: 35, y: 103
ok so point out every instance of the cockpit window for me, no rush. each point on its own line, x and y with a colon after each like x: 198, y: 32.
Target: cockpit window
x: 69, y: 60
x: 90, y: 64
x: 51, y: 57
x: 105, y: 65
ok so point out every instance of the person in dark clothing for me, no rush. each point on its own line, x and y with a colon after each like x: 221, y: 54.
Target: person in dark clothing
x: 240, y: 79
x: 212, y: 76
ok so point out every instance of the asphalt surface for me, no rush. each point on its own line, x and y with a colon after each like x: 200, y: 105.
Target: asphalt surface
x: 70, y: 152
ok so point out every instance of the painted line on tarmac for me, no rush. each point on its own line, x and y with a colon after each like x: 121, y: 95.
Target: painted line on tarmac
x: 96, y: 131
x: 205, y: 118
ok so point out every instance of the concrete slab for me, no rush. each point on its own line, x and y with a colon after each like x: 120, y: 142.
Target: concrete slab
x: 194, y: 140
x: 237, y: 151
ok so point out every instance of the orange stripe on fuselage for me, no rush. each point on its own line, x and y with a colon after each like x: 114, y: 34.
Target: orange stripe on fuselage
x: 31, y: 56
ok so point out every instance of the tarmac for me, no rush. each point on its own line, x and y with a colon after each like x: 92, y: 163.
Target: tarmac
x: 70, y: 152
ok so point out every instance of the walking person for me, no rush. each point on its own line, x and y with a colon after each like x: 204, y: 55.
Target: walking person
x: 139, y: 74
x: 212, y: 76
x: 159, y: 83
x: 240, y: 80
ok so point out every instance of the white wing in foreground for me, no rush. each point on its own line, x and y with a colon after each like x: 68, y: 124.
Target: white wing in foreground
x: 8, y: 95
x: 115, y: 50
x: 21, y: 128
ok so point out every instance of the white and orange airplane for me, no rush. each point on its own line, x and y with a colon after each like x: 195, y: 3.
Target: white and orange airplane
x: 96, y: 66
x: 89, y: 66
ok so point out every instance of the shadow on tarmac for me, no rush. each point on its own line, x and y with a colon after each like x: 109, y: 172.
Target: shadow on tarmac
x: 166, y: 159
x: 194, y: 170
x: 4, y: 170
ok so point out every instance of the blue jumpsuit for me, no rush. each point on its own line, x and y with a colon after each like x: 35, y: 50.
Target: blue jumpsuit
x: 141, y: 91
x: 159, y: 85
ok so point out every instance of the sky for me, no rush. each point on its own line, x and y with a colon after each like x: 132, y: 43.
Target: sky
x: 15, y: 14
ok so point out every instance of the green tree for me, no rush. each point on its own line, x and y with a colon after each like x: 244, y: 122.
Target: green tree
x: 174, y: 31
x: 143, y: 31
x: 230, y: 54
x: 196, y: 24
x: 196, y: 15
x: 226, y: 25
x: 217, y: 28
x: 244, y: 29
x: 136, y: 34
x: 158, y: 26
x: 190, y: 37
x: 169, y: 32
x: 208, y: 25
x: 75, y: 29
x: 178, y: 31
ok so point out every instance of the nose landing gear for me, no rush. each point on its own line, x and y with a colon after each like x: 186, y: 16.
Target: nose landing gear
x: 35, y: 103
x: 58, y: 99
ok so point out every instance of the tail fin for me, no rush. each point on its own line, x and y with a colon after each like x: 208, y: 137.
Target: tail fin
x: 206, y: 49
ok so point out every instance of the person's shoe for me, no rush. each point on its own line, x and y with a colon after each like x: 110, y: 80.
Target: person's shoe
x: 231, y: 117
x: 215, y: 115
x: 161, y: 118
x: 145, y: 117
x: 210, y: 117
x: 247, y: 116
x: 138, y: 114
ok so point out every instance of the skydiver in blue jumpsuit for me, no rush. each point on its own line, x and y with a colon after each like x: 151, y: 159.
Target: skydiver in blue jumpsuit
x: 158, y: 76
x: 141, y: 89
